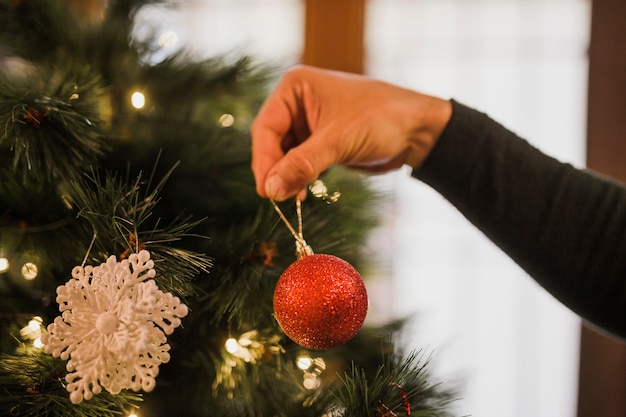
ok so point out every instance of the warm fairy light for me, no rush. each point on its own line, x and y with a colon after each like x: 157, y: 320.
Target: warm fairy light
x: 32, y: 331
x: 320, y: 364
x: 29, y: 271
x: 250, y: 347
x: 168, y: 39
x: 313, y: 368
x: 311, y: 381
x: 245, y: 341
x: 4, y: 265
x: 244, y: 348
x: 35, y: 323
x: 38, y: 343
x: 138, y: 100
x: 226, y: 120
x: 232, y: 346
x: 132, y: 415
x: 304, y: 362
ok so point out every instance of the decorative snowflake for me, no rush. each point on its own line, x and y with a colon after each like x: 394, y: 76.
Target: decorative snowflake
x: 113, y: 327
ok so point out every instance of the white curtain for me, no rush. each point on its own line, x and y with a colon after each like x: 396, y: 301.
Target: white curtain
x: 523, y: 62
x: 270, y: 31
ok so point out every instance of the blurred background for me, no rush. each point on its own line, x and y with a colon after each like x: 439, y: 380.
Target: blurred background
x: 527, y: 64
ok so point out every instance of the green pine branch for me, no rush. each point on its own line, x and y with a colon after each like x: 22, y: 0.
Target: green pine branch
x: 402, y: 385
x: 120, y: 219
x: 50, y: 125
x: 33, y: 386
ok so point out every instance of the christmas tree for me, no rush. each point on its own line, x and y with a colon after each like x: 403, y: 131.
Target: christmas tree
x: 137, y: 263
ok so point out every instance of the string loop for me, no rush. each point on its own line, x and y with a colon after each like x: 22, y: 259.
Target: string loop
x: 302, y: 248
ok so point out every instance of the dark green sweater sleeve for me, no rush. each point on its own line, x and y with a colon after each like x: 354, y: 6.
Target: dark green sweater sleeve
x: 566, y: 227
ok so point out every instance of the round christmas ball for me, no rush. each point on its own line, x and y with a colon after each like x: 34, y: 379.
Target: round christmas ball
x: 320, y: 301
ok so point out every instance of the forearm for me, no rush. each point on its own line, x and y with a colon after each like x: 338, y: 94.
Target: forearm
x: 565, y: 227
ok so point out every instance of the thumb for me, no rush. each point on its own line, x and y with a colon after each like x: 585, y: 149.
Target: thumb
x: 297, y: 168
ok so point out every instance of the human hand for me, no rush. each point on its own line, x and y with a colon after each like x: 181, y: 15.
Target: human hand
x: 318, y: 118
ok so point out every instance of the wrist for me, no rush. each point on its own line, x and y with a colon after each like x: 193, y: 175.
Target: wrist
x: 429, y: 118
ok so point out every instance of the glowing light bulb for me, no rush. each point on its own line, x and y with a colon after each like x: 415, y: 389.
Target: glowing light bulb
x: 320, y: 365
x: 38, y: 343
x: 245, y: 342
x: 29, y: 271
x: 138, y: 100
x: 35, y: 323
x: 132, y: 415
x: 311, y: 381
x: 4, y: 265
x: 232, y: 346
x: 226, y: 120
x: 32, y: 331
x: 304, y: 362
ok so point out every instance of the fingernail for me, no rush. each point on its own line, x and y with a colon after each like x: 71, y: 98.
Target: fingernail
x: 275, y: 188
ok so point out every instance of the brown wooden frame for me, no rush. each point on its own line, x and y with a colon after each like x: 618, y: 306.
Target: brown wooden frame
x: 602, y: 382
x: 333, y: 34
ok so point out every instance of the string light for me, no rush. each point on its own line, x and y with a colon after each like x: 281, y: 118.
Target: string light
x: 29, y: 271
x: 33, y: 330
x: 242, y: 352
x: 4, y: 265
x: 231, y: 345
x: 313, y: 368
x: 226, y: 120
x: 311, y: 381
x: 304, y: 362
x: 250, y: 346
x: 35, y: 324
x: 138, y: 100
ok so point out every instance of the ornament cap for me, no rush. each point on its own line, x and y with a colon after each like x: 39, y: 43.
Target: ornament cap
x: 303, y: 249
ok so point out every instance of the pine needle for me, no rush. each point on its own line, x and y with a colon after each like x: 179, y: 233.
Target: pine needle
x: 33, y: 386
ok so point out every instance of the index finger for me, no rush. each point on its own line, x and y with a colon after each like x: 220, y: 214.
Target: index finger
x: 268, y: 129
x: 278, y: 118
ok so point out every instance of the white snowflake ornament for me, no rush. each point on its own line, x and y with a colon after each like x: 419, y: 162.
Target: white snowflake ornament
x: 113, y: 327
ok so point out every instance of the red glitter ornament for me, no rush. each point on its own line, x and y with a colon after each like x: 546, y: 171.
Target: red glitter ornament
x: 320, y: 301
